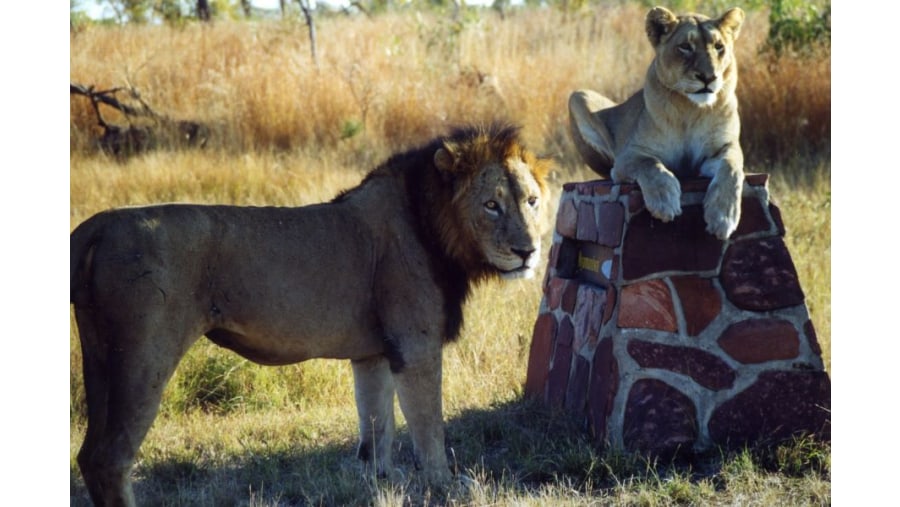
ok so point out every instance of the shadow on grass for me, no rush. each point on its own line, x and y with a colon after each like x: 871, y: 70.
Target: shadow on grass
x: 513, y: 449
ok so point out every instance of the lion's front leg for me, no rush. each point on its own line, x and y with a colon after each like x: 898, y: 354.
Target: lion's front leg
x: 660, y: 188
x: 722, y: 203
x: 374, y: 391
x: 419, y: 391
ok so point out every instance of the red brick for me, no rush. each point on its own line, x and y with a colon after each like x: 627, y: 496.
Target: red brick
x: 706, y: 369
x: 558, y: 379
x: 570, y: 297
x: 659, y: 419
x: 753, y: 218
x: 603, y: 187
x: 779, y: 405
x: 587, y: 188
x: 566, y: 331
x: 567, y: 218
x: 588, y: 315
x: 647, y: 305
x: 576, y: 393
x: 759, y: 275
x: 756, y: 179
x: 603, y: 388
x: 539, y: 356
x: 701, y: 302
x: 550, y: 272
x: 652, y: 246
x: 554, y: 292
x: 587, y: 223
x: 610, y: 304
x: 760, y: 340
x: 610, y: 223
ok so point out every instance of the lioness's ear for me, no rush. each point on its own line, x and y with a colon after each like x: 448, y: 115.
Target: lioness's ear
x: 731, y: 21
x: 660, y: 22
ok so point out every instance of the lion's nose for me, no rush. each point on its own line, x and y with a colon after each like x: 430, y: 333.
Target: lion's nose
x: 524, y: 254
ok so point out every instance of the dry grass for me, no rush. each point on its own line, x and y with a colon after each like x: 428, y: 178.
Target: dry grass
x: 286, y: 133
x: 404, y: 77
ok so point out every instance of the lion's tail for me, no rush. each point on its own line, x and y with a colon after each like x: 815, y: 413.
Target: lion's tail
x: 81, y: 249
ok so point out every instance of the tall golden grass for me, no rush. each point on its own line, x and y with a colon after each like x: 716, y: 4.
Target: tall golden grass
x: 286, y: 132
x: 403, y: 77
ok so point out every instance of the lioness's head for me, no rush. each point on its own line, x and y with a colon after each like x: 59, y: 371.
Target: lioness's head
x: 497, y: 193
x: 695, y: 54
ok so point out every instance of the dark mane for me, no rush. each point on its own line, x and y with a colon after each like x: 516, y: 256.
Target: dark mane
x: 426, y: 190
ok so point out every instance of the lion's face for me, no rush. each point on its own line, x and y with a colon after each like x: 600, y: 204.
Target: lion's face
x: 504, y: 208
x: 497, y: 205
x: 694, y: 54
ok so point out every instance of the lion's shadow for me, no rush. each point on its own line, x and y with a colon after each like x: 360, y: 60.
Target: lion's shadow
x: 514, y: 445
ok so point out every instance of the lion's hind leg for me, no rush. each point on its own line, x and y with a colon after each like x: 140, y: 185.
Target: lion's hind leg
x: 107, y: 484
x: 374, y: 391
x: 590, y: 135
x: 125, y: 372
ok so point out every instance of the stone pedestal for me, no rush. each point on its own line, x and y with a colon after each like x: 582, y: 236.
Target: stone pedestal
x: 663, y: 338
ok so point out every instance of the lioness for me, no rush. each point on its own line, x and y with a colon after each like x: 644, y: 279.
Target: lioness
x: 377, y: 276
x: 683, y: 123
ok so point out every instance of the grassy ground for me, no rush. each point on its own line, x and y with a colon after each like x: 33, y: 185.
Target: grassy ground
x: 287, y: 133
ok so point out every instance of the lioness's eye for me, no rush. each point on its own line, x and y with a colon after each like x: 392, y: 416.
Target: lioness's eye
x: 532, y: 201
x: 720, y: 48
x: 685, y: 48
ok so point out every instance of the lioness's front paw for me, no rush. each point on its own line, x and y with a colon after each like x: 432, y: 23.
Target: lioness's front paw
x: 722, y: 212
x: 662, y: 195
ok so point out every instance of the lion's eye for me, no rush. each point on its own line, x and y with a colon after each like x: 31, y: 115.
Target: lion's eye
x: 532, y: 201
x: 720, y: 48
x: 685, y: 48
x: 492, y: 207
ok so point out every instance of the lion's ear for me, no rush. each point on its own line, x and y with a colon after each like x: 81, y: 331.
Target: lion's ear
x: 445, y: 160
x: 660, y: 22
x: 731, y: 21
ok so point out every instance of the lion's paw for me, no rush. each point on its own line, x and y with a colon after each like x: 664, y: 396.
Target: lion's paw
x: 662, y: 195
x: 722, y: 212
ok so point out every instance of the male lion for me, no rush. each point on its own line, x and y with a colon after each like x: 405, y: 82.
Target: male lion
x: 683, y: 123
x: 377, y: 276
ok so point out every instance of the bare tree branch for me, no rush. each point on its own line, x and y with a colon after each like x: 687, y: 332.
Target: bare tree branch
x: 124, y: 141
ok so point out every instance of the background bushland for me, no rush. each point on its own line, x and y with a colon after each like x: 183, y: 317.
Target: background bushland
x: 285, y: 130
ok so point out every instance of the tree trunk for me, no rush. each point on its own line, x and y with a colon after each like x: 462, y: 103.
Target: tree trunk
x: 307, y: 13
x: 203, y: 10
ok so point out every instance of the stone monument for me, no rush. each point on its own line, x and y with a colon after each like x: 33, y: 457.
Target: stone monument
x: 663, y: 338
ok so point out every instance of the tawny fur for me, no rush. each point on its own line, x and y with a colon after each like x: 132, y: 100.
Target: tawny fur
x: 684, y: 123
x: 378, y: 276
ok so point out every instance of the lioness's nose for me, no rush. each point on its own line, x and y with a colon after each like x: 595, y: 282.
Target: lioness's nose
x: 706, y: 79
x: 524, y: 254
